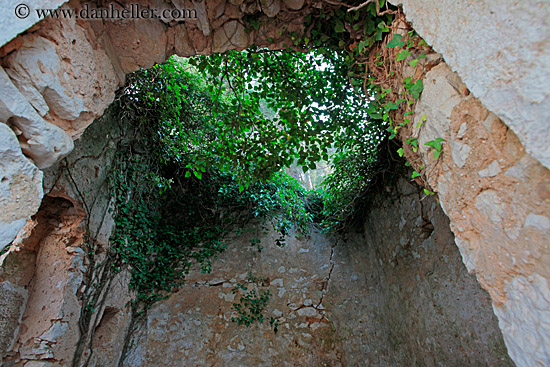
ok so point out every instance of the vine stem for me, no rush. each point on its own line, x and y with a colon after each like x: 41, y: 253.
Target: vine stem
x: 365, y: 4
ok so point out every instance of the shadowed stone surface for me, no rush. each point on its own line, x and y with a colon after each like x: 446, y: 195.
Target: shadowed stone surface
x: 395, y: 295
x: 495, y: 193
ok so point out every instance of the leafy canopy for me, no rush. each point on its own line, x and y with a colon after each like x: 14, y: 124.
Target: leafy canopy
x: 209, y: 137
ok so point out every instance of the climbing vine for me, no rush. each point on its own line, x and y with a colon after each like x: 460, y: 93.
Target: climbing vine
x: 208, y: 139
x: 253, y: 299
x: 212, y: 134
x: 176, y: 194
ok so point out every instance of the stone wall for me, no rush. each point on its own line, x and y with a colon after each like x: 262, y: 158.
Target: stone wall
x: 501, y: 51
x: 392, y: 292
x: 48, y: 263
x: 395, y: 293
x: 497, y: 197
x: 60, y: 75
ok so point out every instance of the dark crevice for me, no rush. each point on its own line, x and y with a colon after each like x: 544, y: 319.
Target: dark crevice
x: 324, y: 290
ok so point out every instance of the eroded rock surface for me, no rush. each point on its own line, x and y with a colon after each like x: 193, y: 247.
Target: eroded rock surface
x: 20, y: 187
x: 501, y: 50
x: 391, y: 292
x: 59, y: 76
x: 497, y: 198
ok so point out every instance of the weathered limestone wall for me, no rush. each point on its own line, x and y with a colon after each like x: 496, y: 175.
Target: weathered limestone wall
x: 426, y: 296
x: 395, y: 291
x: 20, y: 187
x: 396, y: 295
x: 12, y: 25
x: 498, y: 200
x: 48, y: 277
x: 60, y: 75
x: 501, y: 51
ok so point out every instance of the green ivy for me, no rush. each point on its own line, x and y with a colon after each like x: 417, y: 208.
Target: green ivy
x: 176, y: 194
x: 252, y: 302
x: 211, y: 136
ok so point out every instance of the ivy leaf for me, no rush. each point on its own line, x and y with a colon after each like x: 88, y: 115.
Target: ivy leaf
x: 339, y: 27
x: 436, y: 144
x: 403, y: 55
x: 396, y: 41
x: 413, y: 141
x: 415, y: 174
x: 416, y: 89
x: 400, y: 152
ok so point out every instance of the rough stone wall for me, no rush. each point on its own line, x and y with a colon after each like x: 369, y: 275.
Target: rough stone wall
x: 427, y: 297
x: 497, y: 198
x: 12, y: 25
x: 20, y: 187
x: 397, y: 295
x: 393, y: 292
x: 501, y: 50
x: 495, y: 194
x: 49, y: 267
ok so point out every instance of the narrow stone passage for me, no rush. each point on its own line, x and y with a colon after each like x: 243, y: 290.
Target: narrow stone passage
x: 385, y: 298
x: 448, y: 266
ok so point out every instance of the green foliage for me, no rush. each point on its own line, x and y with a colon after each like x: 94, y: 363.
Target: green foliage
x: 346, y: 186
x: 396, y: 41
x: 313, y: 106
x: 436, y: 144
x: 332, y: 27
x: 290, y: 107
x: 175, y: 191
x: 252, y: 302
x: 416, y: 89
x: 402, y: 55
x: 413, y: 142
x: 210, y: 136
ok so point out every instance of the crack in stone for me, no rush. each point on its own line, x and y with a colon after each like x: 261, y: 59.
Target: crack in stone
x: 327, y: 280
